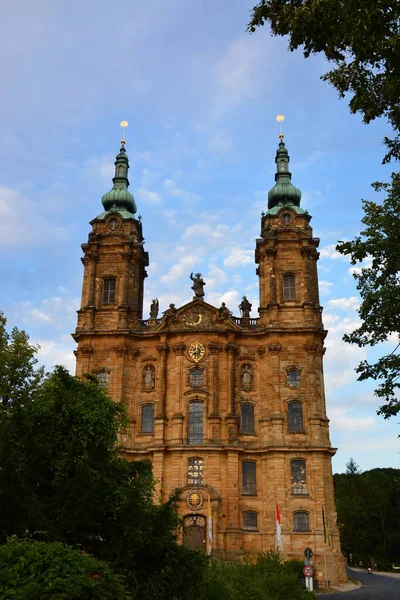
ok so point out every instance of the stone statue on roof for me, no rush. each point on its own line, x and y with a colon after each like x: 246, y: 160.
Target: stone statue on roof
x: 198, y: 284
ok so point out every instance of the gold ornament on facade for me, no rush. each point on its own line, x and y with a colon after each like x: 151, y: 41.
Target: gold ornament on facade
x: 196, y: 351
x: 194, y: 500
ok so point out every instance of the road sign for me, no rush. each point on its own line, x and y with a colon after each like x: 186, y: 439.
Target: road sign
x: 308, y: 553
x: 308, y: 571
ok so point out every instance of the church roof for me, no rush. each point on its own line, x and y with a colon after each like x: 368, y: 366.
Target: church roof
x: 284, y: 193
x: 119, y: 198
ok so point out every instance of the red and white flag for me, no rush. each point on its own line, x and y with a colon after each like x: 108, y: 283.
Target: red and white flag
x: 278, y: 525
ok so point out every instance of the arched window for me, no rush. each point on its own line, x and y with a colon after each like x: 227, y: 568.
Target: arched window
x: 247, y: 418
x: 196, y: 423
x: 121, y: 171
x: 148, y: 378
x: 147, y: 425
x: 300, y: 521
x: 196, y: 377
x: 246, y: 378
x: 293, y: 378
x: 295, y: 417
x: 195, y: 471
x: 249, y: 481
x: 109, y: 291
x: 104, y: 379
x: 298, y: 473
x: 250, y: 521
x: 289, y: 287
x: 282, y: 166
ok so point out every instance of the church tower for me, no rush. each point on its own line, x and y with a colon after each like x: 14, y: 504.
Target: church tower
x: 229, y: 410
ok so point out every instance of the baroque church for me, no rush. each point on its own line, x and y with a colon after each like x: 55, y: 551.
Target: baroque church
x: 229, y: 410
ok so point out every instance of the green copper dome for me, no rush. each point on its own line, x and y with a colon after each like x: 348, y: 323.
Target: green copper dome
x: 118, y: 198
x: 283, y: 192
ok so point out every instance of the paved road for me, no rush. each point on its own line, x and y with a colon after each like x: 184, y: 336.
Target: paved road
x: 374, y: 587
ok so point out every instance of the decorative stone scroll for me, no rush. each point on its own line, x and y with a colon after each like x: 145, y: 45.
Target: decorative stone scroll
x: 274, y: 348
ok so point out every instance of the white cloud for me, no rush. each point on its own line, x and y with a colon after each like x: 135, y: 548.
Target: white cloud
x: 22, y: 223
x: 351, y: 303
x: 330, y: 252
x: 52, y: 353
x: 341, y: 419
x: 206, y: 232
x: 171, y: 188
x: 236, y: 72
x: 100, y: 168
x: 184, y: 266
x: 239, y: 258
x: 325, y: 288
x: 38, y: 315
x: 147, y: 197
x: 149, y: 178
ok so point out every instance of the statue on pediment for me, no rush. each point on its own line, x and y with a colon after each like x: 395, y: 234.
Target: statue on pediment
x: 198, y: 284
x: 245, y: 307
x: 154, y: 308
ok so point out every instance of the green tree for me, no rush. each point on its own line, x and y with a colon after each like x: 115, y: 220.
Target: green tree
x: 361, y: 39
x: 18, y: 375
x: 261, y: 577
x: 32, y: 570
x: 368, y: 508
x: 61, y: 479
x: 379, y: 286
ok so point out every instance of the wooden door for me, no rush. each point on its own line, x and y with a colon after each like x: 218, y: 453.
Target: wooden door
x: 194, y: 532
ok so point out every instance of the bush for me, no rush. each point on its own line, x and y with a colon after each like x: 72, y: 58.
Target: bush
x: 31, y: 570
x: 261, y: 578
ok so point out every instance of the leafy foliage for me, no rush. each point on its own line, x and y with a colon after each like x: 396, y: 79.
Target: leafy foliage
x: 368, y: 507
x: 18, y: 375
x: 61, y: 479
x: 32, y: 570
x: 360, y: 37
x: 264, y: 577
x: 379, y: 287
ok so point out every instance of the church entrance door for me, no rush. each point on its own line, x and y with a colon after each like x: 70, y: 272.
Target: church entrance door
x: 194, y: 532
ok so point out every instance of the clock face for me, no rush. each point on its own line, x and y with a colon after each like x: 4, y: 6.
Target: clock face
x: 196, y: 351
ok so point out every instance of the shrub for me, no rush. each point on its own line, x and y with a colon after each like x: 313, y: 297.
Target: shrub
x: 265, y: 577
x: 32, y: 570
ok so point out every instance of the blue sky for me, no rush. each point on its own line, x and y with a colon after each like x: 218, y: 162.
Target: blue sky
x: 201, y: 96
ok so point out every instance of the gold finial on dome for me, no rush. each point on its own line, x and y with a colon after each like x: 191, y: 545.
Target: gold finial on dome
x: 280, y: 119
x: 124, y: 125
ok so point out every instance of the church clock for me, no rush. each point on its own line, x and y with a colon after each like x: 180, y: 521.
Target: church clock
x: 196, y: 351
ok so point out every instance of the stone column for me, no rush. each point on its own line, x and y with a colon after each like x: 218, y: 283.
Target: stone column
x: 123, y: 307
x: 277, y: 416
x: 163, y: 350
x: 214, y: 419
x: 178, y: 416
x: 233, y: 532
x: 232, y: 420
x: 90, y: 262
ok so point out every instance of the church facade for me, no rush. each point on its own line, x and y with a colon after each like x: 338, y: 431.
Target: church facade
x: 230, y: 410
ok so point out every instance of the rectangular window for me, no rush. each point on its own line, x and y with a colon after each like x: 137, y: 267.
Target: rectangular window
x: 108, y: 291
x: 247, y: 418
x: 289, y: 287
x: 195, y: 471
x: 300, y: 521
x: 295, y: 417
x: 250, y: 521
x: 299, y: 482
x: 196, y: 423
x: 147, y: 418
x: 249, y: 483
